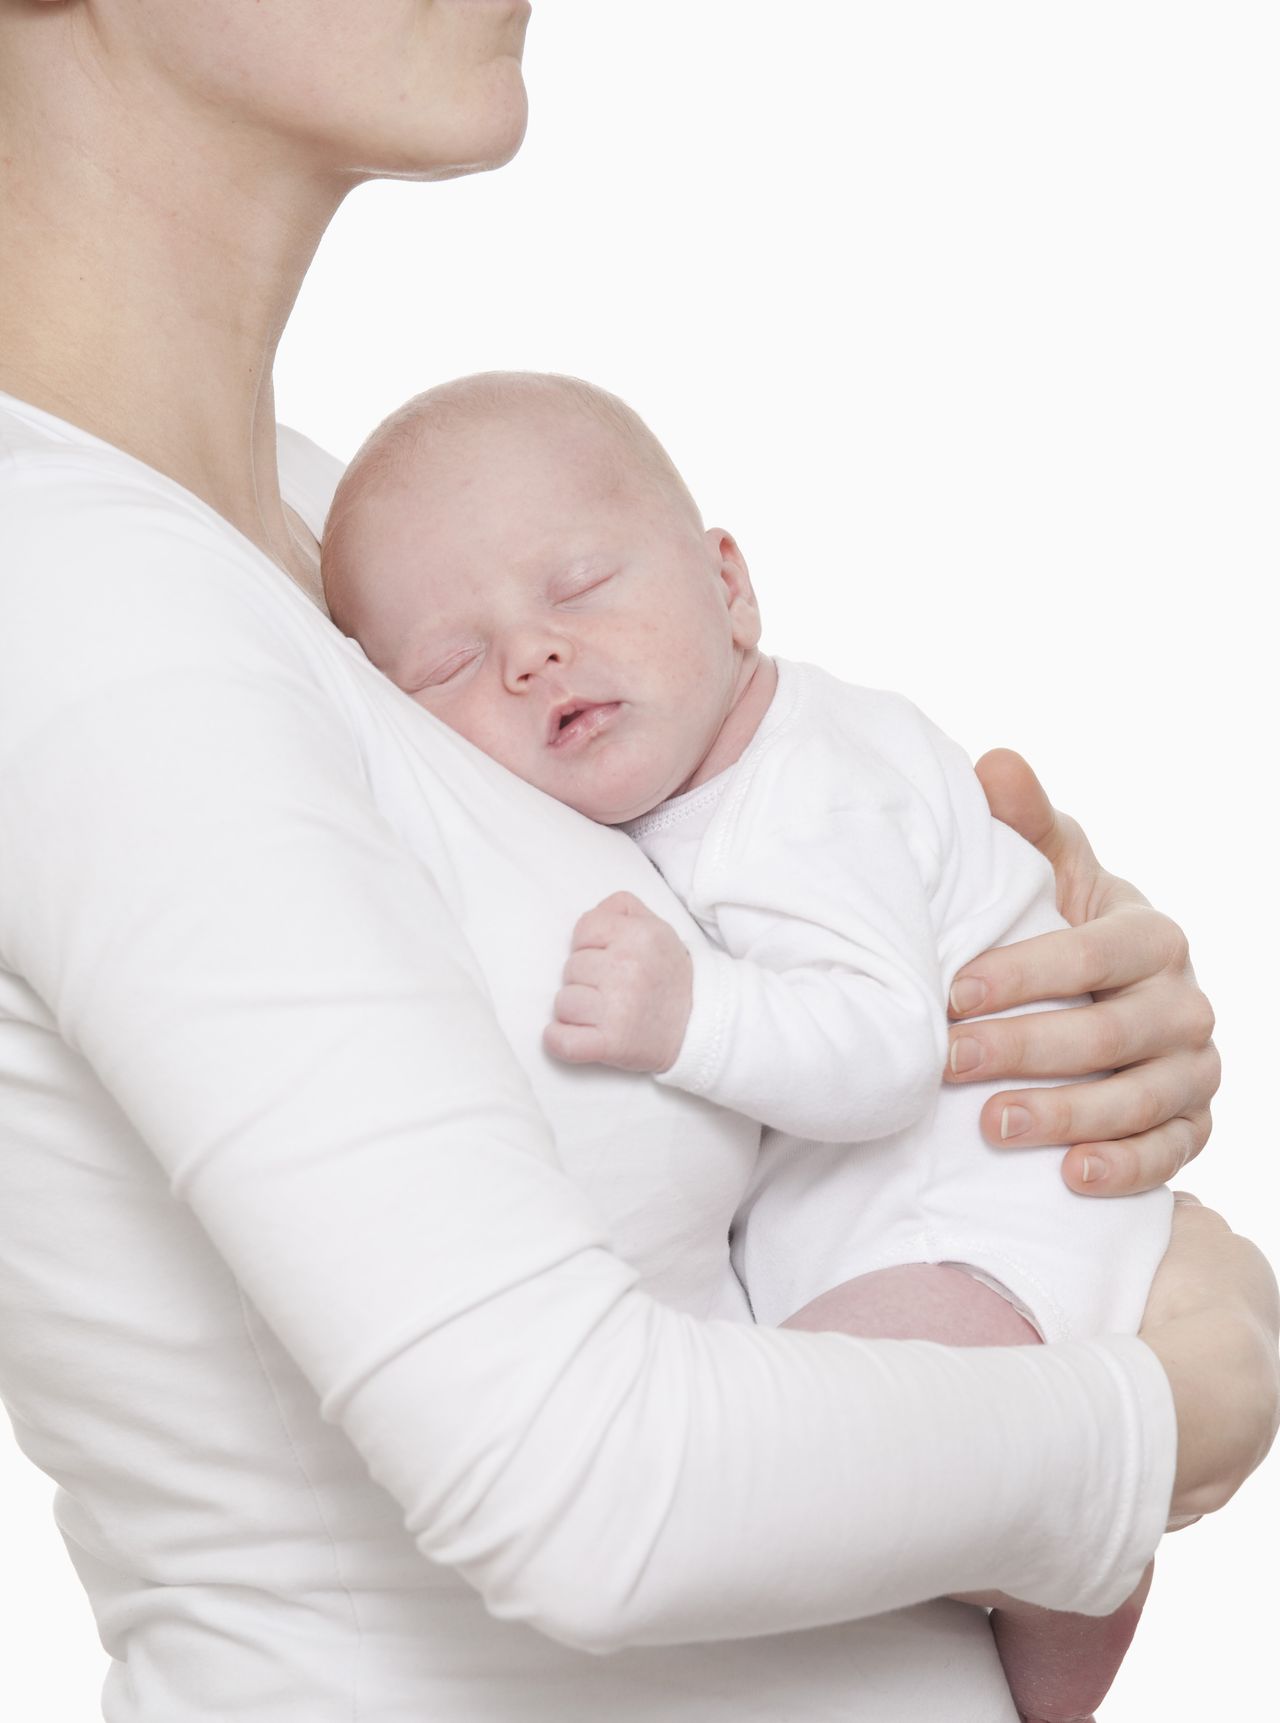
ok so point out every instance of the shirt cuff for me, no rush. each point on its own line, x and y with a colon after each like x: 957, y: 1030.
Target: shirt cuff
x: 1142, y: 1442
x: 1151, y: 1454
x: 701, y: 1058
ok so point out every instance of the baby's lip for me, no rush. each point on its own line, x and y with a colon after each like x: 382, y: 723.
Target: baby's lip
x: 562, y: 715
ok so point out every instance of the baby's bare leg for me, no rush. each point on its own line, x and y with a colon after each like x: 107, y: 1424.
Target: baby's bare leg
x: 923, y: 1301
x: 1058, y: 1666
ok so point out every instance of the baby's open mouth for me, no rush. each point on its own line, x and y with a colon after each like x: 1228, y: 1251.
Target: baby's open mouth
x: 579, y: 722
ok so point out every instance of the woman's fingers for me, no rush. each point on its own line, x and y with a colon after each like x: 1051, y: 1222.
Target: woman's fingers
x: 1017, y: 797
x: 1163, y: 1016
x: 1138, y: 1163
x: 1149, y: 1023
x: 1134, y: 1101
x: 1126, y: 945
x: 1131, y: 1130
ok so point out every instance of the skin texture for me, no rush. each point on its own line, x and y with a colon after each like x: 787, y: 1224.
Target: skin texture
x: 171, y: 171
x: 1222, y: 1300
x: 500, y: 548
x: 118, y: 170
x: 526, y: 566
x: 1139, y: 1127
x: 155, y: 239
x: 627, y: 990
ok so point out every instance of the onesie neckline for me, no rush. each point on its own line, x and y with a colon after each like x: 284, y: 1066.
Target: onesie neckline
x: 778, y: 714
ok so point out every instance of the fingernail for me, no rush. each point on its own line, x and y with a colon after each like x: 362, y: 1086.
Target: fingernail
x: 967, y: 995
x: 966, y: 1055
x: 1092, y: 1170
x: 1014, y: 1122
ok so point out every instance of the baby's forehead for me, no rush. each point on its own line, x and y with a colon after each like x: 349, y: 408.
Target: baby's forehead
x: 535, y: 487
x: 507, y: 454
x: 545, y: 434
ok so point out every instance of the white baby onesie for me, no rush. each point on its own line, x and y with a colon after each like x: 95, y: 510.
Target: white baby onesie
x: 846, y: 868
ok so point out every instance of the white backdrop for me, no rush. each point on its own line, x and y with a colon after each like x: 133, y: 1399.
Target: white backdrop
x: 962, y: 316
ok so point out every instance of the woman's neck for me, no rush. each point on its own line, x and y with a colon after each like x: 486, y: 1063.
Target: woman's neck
x: 147, y: 280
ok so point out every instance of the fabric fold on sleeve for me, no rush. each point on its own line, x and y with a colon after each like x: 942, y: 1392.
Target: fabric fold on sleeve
x: 200, y: 888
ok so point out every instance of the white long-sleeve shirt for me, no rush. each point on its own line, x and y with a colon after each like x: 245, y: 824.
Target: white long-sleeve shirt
x: 369, y: 1351
x: 844, y: 870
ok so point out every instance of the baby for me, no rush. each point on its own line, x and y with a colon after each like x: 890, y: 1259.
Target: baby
x: 518, y: 553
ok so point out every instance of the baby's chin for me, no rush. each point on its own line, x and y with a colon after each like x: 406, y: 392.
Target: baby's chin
x: 609, y: 813
x: 612, y: 804
x: 624, y: 780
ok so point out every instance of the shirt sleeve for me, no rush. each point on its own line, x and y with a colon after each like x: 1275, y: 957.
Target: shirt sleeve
x: 198, y: 885
x: 823, y: 1015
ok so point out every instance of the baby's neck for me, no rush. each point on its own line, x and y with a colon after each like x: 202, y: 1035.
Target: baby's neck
x: 757, y: 682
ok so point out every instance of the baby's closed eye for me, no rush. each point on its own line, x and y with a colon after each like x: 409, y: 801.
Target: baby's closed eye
x: 581, y: 585
x: 446, y: 670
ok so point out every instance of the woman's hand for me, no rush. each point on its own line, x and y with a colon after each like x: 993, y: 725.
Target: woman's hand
x: 1212, y: 1320
x: 1150, y: 1024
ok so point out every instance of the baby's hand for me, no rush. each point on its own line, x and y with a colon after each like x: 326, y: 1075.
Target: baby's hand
x: 628, y: 990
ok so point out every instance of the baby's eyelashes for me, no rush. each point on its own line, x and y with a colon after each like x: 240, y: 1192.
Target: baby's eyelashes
x: 448, y: 670
x: 580, y: 587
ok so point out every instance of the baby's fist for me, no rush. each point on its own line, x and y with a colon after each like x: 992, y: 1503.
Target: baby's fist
x: 628, y: 990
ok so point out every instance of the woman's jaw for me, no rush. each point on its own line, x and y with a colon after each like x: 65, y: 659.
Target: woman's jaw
x: 407, y: 89
x: 171, y: 170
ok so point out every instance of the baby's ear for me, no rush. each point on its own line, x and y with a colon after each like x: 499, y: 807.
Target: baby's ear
x: 735, y: 581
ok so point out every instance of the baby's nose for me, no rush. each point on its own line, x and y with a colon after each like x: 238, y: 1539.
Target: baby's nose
x: 531, y: 653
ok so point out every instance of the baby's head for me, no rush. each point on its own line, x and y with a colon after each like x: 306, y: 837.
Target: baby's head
x: 517, y: 552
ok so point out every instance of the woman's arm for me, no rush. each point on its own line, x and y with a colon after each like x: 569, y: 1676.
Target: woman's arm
x: 1150, y: 1023
x: 198, y: 885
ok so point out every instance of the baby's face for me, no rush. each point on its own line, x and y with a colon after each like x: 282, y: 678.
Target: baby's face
x: 547, y: 599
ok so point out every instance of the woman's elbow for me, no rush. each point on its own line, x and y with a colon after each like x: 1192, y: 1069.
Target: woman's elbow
x: 560, y: 1521
x: 571, y: 1603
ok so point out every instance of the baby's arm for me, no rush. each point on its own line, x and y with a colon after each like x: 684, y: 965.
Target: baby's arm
x: 824, y: 1015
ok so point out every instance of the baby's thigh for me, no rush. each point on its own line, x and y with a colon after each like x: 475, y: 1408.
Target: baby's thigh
x: 917, y: 1301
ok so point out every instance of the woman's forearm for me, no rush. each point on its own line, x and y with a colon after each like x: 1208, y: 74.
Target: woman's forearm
x: 200, y: 888
x: 655, y: 1480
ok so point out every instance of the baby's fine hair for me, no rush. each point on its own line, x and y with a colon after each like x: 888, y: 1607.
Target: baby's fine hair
x: 404, y: 436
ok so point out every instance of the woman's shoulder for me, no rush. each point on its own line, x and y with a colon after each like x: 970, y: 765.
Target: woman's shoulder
x: 110, y: 570
x: 46, y: 461
x: 78, y: 514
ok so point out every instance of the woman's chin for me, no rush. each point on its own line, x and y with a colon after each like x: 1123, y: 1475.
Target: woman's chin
x: 483, y: 164
x: 468, y: 150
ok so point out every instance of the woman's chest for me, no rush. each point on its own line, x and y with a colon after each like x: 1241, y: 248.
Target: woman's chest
x: 665, y: 1170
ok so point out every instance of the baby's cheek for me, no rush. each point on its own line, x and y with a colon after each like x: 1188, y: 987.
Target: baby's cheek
x: 450, y: 710
x: 496, y: 733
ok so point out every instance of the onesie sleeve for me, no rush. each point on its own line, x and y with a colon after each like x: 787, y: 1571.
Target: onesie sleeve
x: 198, y: 885
x: 824, y: 1014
